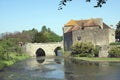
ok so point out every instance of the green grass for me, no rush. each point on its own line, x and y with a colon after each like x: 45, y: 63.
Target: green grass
x: 99, y: 59
x: 13, y: 59
x: 115, y: 43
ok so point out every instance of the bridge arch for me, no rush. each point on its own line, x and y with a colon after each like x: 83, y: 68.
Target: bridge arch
x: 40, y: 52
x: 42, y: 49
x: 57, y: 50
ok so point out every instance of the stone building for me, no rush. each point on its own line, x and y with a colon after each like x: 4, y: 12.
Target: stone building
x: 92, y: 30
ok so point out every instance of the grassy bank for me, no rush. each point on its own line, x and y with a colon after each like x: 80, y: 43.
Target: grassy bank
x: 13, y: 59
x: 98, y: 59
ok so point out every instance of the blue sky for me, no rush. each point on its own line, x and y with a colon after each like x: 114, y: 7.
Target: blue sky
x: 18, y: 15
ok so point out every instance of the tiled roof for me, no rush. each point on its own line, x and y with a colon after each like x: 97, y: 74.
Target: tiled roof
x: 73, y: 28
x: 91, y: 22
x: 78, y: 24
x: 71, y: 23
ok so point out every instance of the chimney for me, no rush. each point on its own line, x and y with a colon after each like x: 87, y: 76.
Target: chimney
x: 99, y: 21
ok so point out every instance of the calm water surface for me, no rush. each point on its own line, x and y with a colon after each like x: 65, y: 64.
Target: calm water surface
x: 58, y: 68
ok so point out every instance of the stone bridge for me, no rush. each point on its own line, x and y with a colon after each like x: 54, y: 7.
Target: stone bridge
x: 43, y: 49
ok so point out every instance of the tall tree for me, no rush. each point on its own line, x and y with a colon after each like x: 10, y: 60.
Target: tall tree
x: 117, y: 32
x: 46, y: 35
x: 43, y: 29
x: 98, y: 4
x: 29, y: 34
x: 40, y: 38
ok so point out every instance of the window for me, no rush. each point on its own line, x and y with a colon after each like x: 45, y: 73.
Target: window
x: 82, y: 27
x: 78, y: 38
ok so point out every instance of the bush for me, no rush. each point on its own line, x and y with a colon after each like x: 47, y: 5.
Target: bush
x: 83, y: 49
x: 8, y: 46
x: 114, y: 52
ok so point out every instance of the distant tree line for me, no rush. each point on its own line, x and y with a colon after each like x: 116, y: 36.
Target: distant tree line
x: 33, y: 36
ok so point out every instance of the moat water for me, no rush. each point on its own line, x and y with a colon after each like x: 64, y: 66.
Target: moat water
x: 58, y: 68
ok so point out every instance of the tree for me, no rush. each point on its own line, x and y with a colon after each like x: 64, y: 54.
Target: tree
x: 64, y: 2
x: 43, y: 29
x: 8, y: 46
x: 29, y: 35
x: 117, y: 32
x: 46, y: 35
x: 40, y: 38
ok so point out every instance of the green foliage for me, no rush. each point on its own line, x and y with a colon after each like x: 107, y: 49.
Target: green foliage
x: 115, y: 43
x: 44, y: 29
x: 40, y: 38
x: 83, y: 49
x: 46, y: 35
x: 24, y: 36
x: 117, y: 32
x: 13, y: 58
x: 114, y: 52
x: 29, y: 35
x: 8, y: 46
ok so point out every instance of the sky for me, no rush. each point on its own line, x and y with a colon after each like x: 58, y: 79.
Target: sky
x: 18, y: 15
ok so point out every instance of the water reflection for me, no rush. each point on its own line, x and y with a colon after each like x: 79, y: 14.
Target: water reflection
x: 58, y: 68
x: 59, y: 60
x: 81, y: 70
x: 40, y: 59
x: 59, y: 53
x: 45, y: 60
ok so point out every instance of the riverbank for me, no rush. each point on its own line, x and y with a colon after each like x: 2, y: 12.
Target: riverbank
x: 93, y: 59
x: 13, y: 59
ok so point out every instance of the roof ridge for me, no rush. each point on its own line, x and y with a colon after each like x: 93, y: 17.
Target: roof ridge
x: 71, y: 22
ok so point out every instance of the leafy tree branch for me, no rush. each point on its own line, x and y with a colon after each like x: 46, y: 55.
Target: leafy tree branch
x: 99, y: 3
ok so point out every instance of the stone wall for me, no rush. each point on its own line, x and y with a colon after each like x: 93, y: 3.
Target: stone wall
x: 111, y: 35
x: 31, y: 48
x: 67, y: 41
x: 103, y: 52
x: 96, y: 36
